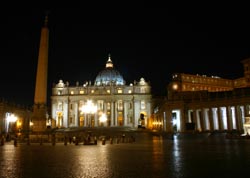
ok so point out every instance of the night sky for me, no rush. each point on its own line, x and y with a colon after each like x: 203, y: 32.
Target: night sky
x: 152, y: 43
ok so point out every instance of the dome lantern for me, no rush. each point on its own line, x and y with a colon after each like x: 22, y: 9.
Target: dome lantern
x: 109, y: 75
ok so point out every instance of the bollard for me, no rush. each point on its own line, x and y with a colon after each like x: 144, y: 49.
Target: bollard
x: 15, y: 142
x: 2, y: 141
x: 28, y: 141
x: 65, y: 141
x: 76, y: 142
x: 53, y: 141
x: 103, y: 141
x: 123, y: 138
x: 95, y: 140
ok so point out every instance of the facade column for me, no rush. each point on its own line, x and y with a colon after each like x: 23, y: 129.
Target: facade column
x: 105, y: 112
x: 112, y: 113
x: 148, y: 109
x: 77, y: 119
x: 136, y: 113
x: 85, y: 120
x: 54, y: 115
x: 95, y: 120
x: 65, y: 114
x: 125, y: 114
x: 115, y: 107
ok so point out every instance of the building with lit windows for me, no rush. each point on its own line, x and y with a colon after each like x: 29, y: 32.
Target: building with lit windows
x: 14, y: 119
x: 107, y: 102
x: 205, y: 104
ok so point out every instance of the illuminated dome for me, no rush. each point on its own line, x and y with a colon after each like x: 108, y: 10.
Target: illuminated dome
x: 109, y: 75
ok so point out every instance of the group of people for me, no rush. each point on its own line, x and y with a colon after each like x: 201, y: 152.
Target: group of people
x: 8, y: 138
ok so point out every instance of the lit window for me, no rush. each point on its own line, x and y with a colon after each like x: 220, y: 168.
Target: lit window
x: 130, y: 105
x: 108, y: 91
x: 100, y: 104
x: 92, y: 91
x: 175, y: 86
x: 129, y: 91
x: 120, y: 105
x: 143, y: 89
x: 119, y: 90
x: 108, y: 106
x: 72, y: 92
x: 142, y: 104
x: 59, y: 106
x: 82, y: 92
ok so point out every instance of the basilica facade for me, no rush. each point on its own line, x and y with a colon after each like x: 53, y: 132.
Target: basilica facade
x: 108, y: 102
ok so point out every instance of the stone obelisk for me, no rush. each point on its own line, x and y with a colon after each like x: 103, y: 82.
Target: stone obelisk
x: 39, y: 116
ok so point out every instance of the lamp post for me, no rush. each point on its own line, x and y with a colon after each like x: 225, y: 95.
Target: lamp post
x: 103, y: 119
x: 88, y: 109
x: 31, y: 126
x: 19, y: 127
x: 10, y: 118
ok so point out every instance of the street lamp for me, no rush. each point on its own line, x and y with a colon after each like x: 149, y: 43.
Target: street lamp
x: 103, y: 119
x: 31, y: 125
x: 88, y: 108
x: 10, y: 118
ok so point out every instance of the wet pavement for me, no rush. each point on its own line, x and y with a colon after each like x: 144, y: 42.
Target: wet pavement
x: 148, y: 157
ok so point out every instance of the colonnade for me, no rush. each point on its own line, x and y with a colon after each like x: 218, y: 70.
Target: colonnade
x: 204, y: 118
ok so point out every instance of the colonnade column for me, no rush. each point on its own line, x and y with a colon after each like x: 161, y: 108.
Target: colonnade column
x: 198, y: 119
x: 239, y: 118
x: 189, y: 116
x: 220, y: 119
x: 246, y: 112
x: 195, y: 118
x: 203, y: 110
x: 229, y: 118
x: 211, y: 118
x: 183, y: 115
x: 168, y: 121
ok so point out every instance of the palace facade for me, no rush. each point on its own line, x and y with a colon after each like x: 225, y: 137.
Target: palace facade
x: 205, y: 104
